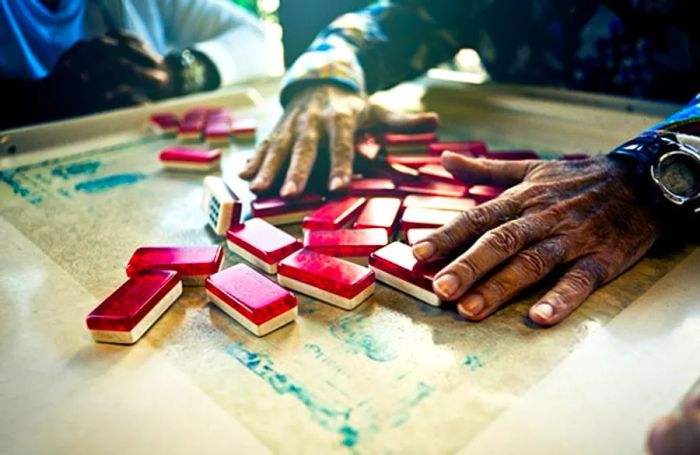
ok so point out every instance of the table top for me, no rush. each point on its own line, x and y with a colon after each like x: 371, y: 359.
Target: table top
x: 77, y: 197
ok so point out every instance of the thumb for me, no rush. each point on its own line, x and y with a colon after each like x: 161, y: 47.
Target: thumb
x: 487, y: 172
x: 419, y: 122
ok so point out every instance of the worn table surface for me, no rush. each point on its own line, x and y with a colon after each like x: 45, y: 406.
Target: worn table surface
x: 394, y: 375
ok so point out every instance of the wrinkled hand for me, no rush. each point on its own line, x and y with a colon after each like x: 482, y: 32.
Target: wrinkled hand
x: 323, y: 112
x: 677, y: 434
x: 581, y: 214
x: 106, y: 72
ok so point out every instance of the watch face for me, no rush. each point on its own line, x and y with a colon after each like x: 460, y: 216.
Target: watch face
x: 680, y: 175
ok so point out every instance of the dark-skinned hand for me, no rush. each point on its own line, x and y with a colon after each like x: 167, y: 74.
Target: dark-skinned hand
x: 106, y: 72
x: 677, y: 434
x: 578, y: 215
x: 316, y: 114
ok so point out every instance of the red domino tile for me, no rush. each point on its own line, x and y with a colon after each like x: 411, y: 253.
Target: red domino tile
x: 334, y: 214
x: 261, y: 243
x: 439, y: 202
x: 397, y: 259
x: 414, y: 236
x: 258, y: 303
x: 346, y: 243
x: 403, y: 139
x: 372, y: 187
x: 130, y: 310
x: 413, y: 161
x: 398, y: 173
x: 279, y: 211
x: 396, y: 266
x: 164, y: 123
x: 244, y: 128
x: 437, y: 173
x: 194, y: 155
x: 218, y: 130
x: 574, y: 157
x: 468, y: 148
x: 425, y: 218
x: 190, y: 130
x: 196, y: 113
x: 327, y: 273
x: 512, y: 155
x: 379, y: 212
x: 367, y: 146
x: 434, y: 189
x: 483, y: 193
x: 194, y: 262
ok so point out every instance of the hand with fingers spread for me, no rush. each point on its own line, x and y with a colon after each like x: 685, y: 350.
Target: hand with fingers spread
x: 581, y: 216
x: 317, y: 114
x: 677, y: 434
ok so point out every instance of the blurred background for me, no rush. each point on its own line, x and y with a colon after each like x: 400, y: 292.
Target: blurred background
x: 293, y: 24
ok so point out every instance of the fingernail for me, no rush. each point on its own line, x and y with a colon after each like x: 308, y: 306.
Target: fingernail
x: 336, y: 183
x: 258, y: 184
x: 471, y: 305
x: 423, y: 250
x: 543, y: 311
x: 447, y: 284
x: 288, y: 189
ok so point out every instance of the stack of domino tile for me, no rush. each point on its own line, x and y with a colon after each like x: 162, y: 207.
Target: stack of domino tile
x: 215, y: 126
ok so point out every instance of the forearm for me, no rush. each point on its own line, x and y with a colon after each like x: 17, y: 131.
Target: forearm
x: 370, y: 49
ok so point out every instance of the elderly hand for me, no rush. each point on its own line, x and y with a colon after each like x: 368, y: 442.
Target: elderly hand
x: 582, y: 214
x: 315, y: 114
x: 109, y: 71
x: 677, y: 434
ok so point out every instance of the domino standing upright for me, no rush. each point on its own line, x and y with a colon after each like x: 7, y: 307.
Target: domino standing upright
x: 220, y: 205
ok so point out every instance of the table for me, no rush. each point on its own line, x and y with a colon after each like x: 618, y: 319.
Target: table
x: 394, y: 375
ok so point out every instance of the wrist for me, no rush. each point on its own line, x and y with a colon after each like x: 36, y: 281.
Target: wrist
x: 191, y: 72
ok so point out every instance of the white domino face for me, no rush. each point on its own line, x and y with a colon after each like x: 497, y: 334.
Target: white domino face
x: 217, y: 204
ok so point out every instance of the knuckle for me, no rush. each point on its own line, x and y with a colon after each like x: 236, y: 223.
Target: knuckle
x: 596, y: 270
x: 466, y: 268
x: 579, y: 281
x: 498, y: 288
x: 504, y: 239
x: 534, y: 262
x: 476, y: 218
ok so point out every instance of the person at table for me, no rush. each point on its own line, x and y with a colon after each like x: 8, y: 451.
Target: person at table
x: 591, y: 219
x: 61, y: 58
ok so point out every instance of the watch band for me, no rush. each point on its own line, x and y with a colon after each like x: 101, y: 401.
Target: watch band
x: 642, y: 156
x: 188, y: 71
